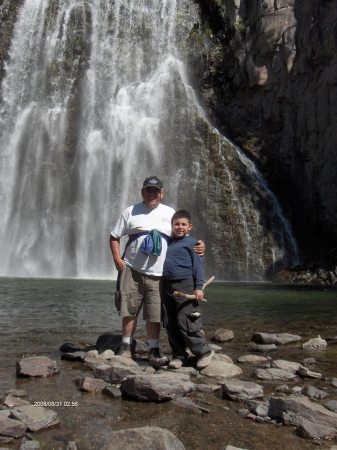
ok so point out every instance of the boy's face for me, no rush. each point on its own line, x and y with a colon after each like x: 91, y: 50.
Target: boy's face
x: 181, y: 227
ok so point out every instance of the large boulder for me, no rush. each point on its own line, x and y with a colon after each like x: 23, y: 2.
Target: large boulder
x: 149, y: 438
x: 157, y: 387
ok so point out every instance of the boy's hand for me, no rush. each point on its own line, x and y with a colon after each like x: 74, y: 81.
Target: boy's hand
x: 199, y: 294
x: 200, y: 248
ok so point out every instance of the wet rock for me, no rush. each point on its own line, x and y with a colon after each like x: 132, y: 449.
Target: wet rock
x: 207, y: 388
x: 282, y: 388
x: 157, y: 387
x: 286, y: 365
x: 142, y: 438
x: 293, y: 409
x: 223, y: 335
x: 92, y: 385
x: 334, y: 382
x: 305, y: 372
x: 74, y: 356
x: 20, y: 393
x: 258, y: 408
x: 30, y: 445
x: 241, y: 390
x: 252, y: 359
x: 314, y: 393
x: 253, y: 347
x: 215, y: 347
x: 220, y: 369
x: 296, y: 390
x: 112, y: 391
x: 331, y: 405
x: 230, y: 447
x: 11, y: 401
x: 278, y: 338
x: 117, y: 369
x: 274, y: 374
x: 188, y: 404
x: 309, y: 362
x: 72, y: 446
x: 35, y: 417
x: 69, y: 347
x: 11, y: 427
x: 315, y: 343
x: 312, y: 430
x: 36, y: 366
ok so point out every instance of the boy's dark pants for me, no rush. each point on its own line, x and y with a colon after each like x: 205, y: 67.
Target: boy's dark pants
x: 183, y: 329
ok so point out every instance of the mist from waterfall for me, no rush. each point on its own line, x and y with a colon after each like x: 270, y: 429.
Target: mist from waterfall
x: 95, y: 98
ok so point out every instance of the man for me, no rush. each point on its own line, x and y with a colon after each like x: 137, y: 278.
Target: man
x: 148, y: 225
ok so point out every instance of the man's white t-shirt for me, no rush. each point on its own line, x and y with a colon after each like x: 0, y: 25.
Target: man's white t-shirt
x: 139, y: 218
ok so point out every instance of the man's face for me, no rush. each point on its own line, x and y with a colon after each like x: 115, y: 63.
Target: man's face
x: 152, y: 196
x: 181, y: 227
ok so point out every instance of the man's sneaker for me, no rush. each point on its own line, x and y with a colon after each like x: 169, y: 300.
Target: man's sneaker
x: 175, y: 363
x: 124, y: 350
x: 205, y: 360
x: 155, y: 359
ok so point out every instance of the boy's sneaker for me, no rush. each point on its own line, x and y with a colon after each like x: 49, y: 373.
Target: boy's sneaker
x: 155, y: 359
x: 175, y: 363
x: 124, y: 350
x: 205, y: 360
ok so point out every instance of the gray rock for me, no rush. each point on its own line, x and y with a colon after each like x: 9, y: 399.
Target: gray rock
x: 223, y: 335
x: 11, y: 401
x: 252, y: 359
x: 230, y: 447
x: 286, y: 365
x: 258, y: 408
x: 11, y: 427
x: 278, y: 338
x: 112, y: 391
x: 220, y: 369
x: 188, y: 404
x: 241, y: 390
x: 253, y: 347
x: 30, y: 445
x: 20, y: 393
x: 149, y: 438
x: 274, y: 374
x: 305, y: 372
x: 331, y: 405
x: 119, y: 368
x: 313, y: 393
x: 312, y: 430
x: 334, y: 382
x: 92, y: 385
x: 72, y: 446
x: 35, y: 417
x: 293, y: 409
x: 157, y: 387
x: 315, y: 343
x: 36, y: 366
x: 207, y: 388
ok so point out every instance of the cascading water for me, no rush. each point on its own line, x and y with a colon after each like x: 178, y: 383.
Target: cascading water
x: 95, y: 98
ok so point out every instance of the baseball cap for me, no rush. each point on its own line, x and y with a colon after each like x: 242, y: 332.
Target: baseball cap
x: 153, y: 182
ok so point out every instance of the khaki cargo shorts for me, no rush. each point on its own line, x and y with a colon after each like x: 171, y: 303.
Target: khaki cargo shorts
x: 136, y: 290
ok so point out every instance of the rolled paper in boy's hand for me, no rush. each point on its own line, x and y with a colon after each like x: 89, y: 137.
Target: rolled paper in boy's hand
x: 192, y: 296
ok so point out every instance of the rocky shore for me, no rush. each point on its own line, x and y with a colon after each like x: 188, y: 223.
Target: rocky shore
x: 277, y: 392
x: 308, y: 276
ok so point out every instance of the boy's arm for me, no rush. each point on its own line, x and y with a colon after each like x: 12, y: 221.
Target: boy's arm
x: 200, y: 248
x: 198, y: 275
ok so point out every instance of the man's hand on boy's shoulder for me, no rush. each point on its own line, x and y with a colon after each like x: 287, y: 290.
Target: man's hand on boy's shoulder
x: 199, y: 295
x: 200, y: 247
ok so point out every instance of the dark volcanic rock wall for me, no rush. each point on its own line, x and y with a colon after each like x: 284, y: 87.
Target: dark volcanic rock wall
x: 269, y: 80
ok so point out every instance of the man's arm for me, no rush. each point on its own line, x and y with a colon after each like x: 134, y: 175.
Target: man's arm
x: 200, y: 248
x: 116, y: 253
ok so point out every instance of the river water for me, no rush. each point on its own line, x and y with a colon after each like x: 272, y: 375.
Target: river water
x: 38, y: 315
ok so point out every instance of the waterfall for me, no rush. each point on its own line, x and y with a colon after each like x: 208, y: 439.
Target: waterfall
x: 96, y: 96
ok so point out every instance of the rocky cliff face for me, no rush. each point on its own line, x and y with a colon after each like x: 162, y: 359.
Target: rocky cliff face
x: 269, y: 80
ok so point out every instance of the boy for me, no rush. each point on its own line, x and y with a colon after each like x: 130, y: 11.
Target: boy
x: 184, y: 271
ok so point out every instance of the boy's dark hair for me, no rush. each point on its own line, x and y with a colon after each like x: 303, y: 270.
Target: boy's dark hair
x: 182, y: 214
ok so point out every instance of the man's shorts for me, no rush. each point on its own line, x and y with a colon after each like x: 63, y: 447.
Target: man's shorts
x: 137, y: 290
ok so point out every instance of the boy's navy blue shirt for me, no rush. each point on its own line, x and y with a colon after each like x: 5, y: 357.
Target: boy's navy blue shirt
x: 183, y: 263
